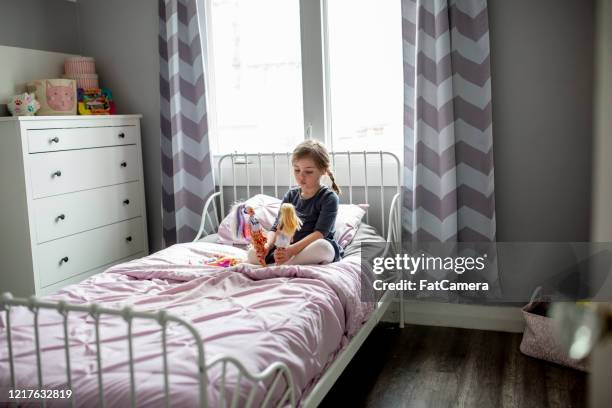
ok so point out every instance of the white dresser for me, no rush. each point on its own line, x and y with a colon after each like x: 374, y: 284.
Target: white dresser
x: 71, y: 199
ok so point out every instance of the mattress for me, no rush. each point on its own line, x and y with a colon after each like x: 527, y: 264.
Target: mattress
x: 301, y: 315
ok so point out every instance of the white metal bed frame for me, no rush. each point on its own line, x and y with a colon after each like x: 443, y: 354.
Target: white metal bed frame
x: 269, y: 377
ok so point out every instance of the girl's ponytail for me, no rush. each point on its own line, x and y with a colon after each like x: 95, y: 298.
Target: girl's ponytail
x: 335, y: 186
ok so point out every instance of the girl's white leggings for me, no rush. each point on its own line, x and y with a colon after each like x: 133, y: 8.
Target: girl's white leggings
x: 317, y: 252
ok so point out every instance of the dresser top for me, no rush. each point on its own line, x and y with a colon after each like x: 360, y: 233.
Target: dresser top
x: 67, y: 117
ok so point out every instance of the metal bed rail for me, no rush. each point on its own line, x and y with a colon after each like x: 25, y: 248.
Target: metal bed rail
x: 274, y: 373
x: 253, y: 163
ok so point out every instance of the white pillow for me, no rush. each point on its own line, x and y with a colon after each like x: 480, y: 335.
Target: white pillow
x: 347, y: 221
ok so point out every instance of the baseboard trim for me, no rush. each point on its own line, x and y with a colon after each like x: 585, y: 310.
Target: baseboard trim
x: 479, y: 317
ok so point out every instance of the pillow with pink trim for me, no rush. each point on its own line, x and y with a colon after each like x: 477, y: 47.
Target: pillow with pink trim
x: 267, y: 207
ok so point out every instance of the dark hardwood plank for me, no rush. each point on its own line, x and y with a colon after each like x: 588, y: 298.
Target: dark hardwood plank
x: 422, y: 366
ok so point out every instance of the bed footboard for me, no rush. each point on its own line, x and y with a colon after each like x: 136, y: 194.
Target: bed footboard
x: 275, y: 379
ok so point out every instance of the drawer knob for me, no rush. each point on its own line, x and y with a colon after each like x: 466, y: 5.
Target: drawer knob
x: 126, y: 201
x: 121, y: 135
x: 54, y: 140
x: 129, y: 238
x: 57, y: 174
x: 123, y: 164
x: 60, y: 217
x: 63, y: 260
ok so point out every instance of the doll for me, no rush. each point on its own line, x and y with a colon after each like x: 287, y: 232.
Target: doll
x: 288, y: 223
x: 250, y: 230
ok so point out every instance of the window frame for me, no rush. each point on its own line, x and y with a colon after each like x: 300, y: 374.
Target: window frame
x: 312, y: 37
x: 315, y: 72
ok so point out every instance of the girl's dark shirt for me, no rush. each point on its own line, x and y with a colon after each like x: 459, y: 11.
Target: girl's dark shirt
x: 318, y: 213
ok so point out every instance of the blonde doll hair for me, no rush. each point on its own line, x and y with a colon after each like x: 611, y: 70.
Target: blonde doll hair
x: 288, y: 221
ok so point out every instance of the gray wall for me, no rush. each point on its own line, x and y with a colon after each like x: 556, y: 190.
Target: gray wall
x: 48, y: 25
x: 122, y: 37
x: 542, y: 85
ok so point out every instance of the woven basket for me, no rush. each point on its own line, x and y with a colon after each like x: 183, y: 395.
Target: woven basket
x: 79, y: 65
x: 539, y: 337
x: 84, y: 81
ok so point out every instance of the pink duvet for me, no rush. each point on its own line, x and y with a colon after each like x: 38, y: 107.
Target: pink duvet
x: 299, y: 315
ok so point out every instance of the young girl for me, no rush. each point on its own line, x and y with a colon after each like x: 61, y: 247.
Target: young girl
x: 316, y: 206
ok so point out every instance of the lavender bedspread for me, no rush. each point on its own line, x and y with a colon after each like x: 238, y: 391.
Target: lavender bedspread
x: 300, y: 315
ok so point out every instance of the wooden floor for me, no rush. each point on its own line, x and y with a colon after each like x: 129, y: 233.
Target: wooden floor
x: 421, y: 366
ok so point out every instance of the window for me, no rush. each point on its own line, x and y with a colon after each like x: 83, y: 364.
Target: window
x: 256, y: 80
x: 273, y: 76
x: 366, y: 93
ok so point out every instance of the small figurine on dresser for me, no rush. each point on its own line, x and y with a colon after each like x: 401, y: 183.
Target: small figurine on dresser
x: 23, y: 105
x: 249, y: 229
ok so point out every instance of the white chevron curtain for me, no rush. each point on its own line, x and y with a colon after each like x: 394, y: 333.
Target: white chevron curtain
x: 187, y: 178
x: 448, y: 151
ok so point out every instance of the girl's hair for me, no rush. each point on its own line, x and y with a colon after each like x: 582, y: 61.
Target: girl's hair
x: 288, y: 221
x: 316, y: 151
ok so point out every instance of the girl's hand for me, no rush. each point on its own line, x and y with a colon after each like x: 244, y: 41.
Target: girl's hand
x: 291, y: 251
x: 282, y: 255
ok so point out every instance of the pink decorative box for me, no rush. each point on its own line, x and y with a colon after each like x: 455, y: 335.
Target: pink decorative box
x: 79, y: 65
x: 56, y: 96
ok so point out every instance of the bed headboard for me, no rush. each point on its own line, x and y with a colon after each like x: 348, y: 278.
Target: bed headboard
x: 365, y: 177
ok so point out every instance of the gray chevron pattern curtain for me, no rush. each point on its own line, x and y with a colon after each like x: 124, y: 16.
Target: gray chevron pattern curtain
x: 187, y: 178
x: 448, y: 151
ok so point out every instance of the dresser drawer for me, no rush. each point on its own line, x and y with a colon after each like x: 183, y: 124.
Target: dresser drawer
x: 64, y: 172
x: 68, y: 214
x: 49, y: 140
x: 63, y: 258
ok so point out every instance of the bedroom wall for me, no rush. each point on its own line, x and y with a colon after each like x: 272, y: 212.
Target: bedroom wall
x: 122, y: 37
x: 35, y: 38
x: 542, y: 88
x: 47, y: 25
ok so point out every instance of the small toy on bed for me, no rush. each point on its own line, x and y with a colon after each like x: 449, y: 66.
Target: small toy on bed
x: 288, y: 224
x: 249, y: 229
x: 223, y: 261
